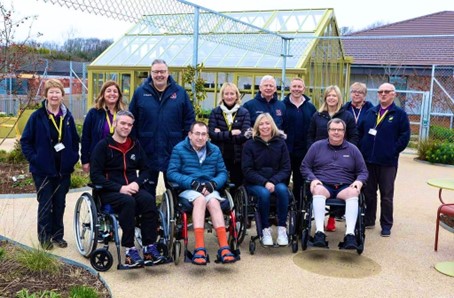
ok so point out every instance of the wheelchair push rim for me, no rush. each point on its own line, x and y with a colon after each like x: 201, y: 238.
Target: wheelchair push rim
x: 85, y: 225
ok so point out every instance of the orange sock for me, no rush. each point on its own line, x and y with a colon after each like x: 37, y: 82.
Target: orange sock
x: 222, y: 239
x: 199, y: 234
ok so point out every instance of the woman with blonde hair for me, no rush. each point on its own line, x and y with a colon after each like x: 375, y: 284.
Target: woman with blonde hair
x: 227, y: 126
x: 99, y: 121
x: 318, y: 129
x: 266, y: 170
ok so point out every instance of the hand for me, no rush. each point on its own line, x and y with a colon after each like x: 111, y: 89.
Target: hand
x: 269, y: 186
x: 130, y: 189
x: 217, y: 130
x: 86, y: 167
x: 210, y: 186
x: 197, y: 186
x: 357, y: 184
x: 235, y: 132
x: 314, y: 184
x: 248, y: 133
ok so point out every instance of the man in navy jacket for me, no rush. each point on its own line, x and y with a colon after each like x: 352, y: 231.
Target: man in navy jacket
x: 164, y: 114
x: 384, y: 132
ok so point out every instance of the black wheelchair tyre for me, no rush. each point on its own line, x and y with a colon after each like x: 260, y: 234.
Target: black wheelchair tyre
x: 101, y: 259
x: 252, y: 247
x: 176, y: 252
x: 241, y: 210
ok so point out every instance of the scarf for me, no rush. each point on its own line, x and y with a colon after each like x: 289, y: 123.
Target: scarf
x: 228, y: 114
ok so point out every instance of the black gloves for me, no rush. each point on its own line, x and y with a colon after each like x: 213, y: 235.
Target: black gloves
x: 198, y: 186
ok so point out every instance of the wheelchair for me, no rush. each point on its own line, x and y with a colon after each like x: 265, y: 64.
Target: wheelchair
x: 305, y: 218
x: 96, y: 223
x: 247, y: 211
x: 179, y: 225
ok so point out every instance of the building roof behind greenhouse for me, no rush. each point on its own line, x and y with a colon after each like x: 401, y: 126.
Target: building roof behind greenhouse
x: 150, y: 39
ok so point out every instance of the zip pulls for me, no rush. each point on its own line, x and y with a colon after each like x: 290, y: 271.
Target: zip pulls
x: 124, y: 160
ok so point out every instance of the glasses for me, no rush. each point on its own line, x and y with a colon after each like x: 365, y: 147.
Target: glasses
x: 200, y: 134
x: 384, y: 91
x: 357, y: 92
x: 336, y: 129
x: 159, y: 71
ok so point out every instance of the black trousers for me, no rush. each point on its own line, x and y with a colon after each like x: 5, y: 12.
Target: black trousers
x: 380, y: 178
x: 296, y: 159
x: 128, y: 207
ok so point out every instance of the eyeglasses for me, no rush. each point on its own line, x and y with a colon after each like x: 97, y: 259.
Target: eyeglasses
x: 200, y: 134
x: 159, y: 71
x: 384, y: 91
x: 357, y: 92
x: 336, y: 129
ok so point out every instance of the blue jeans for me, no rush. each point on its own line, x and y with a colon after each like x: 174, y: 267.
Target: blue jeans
x: 263, y: 197
x: 51, y: 192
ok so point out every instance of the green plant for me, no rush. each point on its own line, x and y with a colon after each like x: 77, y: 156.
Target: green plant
x: 197, y: 94
x: 2, y: 253
x: 3, y: 156
x: 82, y: 292
x: 45, y: 294
x: 436, y: 152
x: 79, y: 179
x: 16, y: 155
x: 38, y: 260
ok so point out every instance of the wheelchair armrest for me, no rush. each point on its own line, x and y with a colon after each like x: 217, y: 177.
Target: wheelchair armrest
x: 95, y: 186
x: 174, y: 185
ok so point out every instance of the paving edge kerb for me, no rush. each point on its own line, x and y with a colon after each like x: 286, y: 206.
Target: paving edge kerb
x: 33, y: 194
x: 65, y: 260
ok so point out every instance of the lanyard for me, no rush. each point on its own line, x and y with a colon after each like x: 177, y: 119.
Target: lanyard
x: 59, y: 129
x: 380, y: 118
x: 229, y: 125
x: 111, y: 128
x: 354, y: 114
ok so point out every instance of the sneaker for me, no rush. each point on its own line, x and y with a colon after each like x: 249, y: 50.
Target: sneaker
x: 320, y: 239
x: 133, y: 259
x: 60, y: 243
x: 331, y: 226
x: 151, y: 255
x: 350, y: 242
x: 282, y: 238
x: 385, y: 233
x: 266, y: 237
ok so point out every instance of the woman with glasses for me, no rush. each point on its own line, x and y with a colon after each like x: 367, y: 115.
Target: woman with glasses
x: 99, y: 121
x: 331, y: 108
x: 358, y: 104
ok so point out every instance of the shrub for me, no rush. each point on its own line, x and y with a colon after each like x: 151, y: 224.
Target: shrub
x: 16, y: 155
x: 436, y: 152
x: 38, y: 260
x: 441, y: 133
x: 79, y: 179
x: 83, y: 292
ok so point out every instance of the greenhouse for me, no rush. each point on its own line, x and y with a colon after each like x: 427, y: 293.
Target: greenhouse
x: 238, y: 47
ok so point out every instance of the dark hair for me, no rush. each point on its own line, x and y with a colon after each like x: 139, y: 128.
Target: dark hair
x: 337, y: 121
x: 200, y: 123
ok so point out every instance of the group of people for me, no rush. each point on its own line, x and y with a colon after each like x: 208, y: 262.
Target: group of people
x: 261, y: 144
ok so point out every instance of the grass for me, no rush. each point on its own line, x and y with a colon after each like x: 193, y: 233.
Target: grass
x: 38, y: 260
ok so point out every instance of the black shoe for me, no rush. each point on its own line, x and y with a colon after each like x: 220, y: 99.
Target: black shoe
x: 350, y: 242
x: 60, y: 243
x: 385, y: 233
x: 320, y: 239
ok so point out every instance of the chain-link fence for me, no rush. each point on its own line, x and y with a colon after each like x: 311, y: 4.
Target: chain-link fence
x: 442, y: 97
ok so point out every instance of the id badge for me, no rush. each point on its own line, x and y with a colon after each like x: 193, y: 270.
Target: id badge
x: 373, y: 131
x: 59, y: 147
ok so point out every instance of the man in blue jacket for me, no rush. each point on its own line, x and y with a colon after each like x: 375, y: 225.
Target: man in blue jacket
x: 384, y: 132
x: 266, y: 101
x: 163, y: 113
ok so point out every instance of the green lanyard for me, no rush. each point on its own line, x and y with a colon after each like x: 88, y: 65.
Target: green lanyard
x: 58, y: 128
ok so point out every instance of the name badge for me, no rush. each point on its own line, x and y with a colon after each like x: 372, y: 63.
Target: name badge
x: 373, y: 131
x: 59, y: 147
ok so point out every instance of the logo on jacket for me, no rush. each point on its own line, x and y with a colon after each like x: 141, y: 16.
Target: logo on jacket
x: 173, y: 96
x: 133, y: 157
x: 278, y: 113
x: 390, y: 119
x: 147, y: 94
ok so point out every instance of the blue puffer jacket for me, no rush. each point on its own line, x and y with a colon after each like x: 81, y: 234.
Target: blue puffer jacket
x: 265, y: 161
x: 161, y: 122
x: 224, y: 138
x: 259, y: 105
x: 318, y: 129
x: 37, y: 145
x: 184, y: 166
x: 91, y: 132
x: 297, y: 121
x: 393, y: 135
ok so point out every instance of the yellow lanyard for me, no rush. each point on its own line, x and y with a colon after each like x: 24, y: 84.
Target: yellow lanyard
x: 59, y: 129
x: 111, y: 128
x: 229, y: 126
x: 380, y: 118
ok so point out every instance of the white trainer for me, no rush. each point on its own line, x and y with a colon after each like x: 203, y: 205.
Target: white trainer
x: 266, y: 238
x: 282, y: 238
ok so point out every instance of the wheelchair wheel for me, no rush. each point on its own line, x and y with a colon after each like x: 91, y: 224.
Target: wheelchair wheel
x: 241, y: 210
x: 101, y: 259
x: 176, y: 252
x: 304, y: 239
x: 252, y: 247
x: 294, y: 246
x: 166, y: 211
x: 86, y: 224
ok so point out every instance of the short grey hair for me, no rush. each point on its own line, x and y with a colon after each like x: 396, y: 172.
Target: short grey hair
x: 337, y: 121
x: 159, y: 61
x: 268, y: 78
x: 125, y: 113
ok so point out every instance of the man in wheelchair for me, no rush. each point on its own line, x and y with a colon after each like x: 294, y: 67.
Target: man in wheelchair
x: 197, y: 167
x: 335, y: 169
x: 114, y: 165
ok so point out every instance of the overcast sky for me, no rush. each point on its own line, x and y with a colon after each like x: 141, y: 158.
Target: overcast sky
x: 58, y: 24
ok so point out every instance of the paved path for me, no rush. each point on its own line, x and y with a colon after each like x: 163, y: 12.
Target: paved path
x: 402, y: 265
